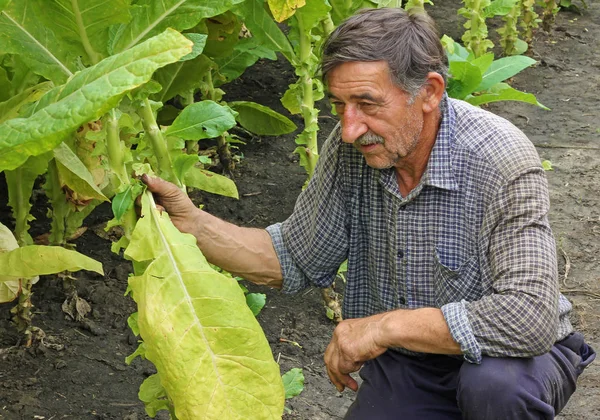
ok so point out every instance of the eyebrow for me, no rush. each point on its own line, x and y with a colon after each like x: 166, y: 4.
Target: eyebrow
x: 366, y: 96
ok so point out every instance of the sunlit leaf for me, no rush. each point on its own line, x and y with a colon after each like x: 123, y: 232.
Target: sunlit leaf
x: 211, y: 354
x: 34, y: 260
x: 502, y: 69
x: 87, y: 95
x: 202, y: 120
x: 210, y: 182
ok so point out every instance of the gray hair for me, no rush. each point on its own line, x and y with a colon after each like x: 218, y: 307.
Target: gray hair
x: 408, y: 41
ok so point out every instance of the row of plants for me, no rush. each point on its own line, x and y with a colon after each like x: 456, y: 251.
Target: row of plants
x: 96, y: 93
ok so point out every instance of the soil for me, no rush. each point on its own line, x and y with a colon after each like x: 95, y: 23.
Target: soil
x: 81, y: 374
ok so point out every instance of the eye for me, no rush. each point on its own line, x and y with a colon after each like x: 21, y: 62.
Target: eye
x: 368, y: 107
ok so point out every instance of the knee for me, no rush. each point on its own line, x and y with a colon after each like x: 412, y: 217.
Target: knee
x: 491, y: 390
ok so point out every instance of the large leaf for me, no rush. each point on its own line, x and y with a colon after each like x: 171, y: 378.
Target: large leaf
x: 181, y: 77
x: 503, y: 92
x: 261, y: 120
x: 504, y: 68
x: 34, y: 260
x: 210, y: 182
x: 87, y: 95
x: 202, y: 120
x: 21, y: 33
x: 75, y: 174
x: 263, y: 28
x: 84, y: 24
x: 150, y: 17
x: 210, y: 352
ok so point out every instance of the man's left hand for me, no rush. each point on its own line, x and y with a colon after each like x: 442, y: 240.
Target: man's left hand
x: 354, y: 342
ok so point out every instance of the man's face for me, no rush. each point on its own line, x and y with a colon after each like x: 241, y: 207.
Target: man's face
x: 377, y: 117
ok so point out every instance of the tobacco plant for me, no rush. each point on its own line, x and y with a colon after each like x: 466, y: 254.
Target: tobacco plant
x: 481, y: 80
x: 94, y: 125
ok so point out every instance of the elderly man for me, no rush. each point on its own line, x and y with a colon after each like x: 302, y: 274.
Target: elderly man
x: 452, y: 308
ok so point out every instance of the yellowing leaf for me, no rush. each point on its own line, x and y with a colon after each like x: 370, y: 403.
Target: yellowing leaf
x: 33, y: 260
x: 210, y: 352
x: 283, y: 9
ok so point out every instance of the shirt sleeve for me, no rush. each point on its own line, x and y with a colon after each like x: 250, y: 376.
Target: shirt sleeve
x: 313, y: 242
x: 520, y: 317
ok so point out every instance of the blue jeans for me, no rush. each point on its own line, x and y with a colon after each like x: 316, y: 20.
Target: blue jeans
x: 437, y: 387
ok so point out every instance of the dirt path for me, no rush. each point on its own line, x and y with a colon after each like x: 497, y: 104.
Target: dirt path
x: 85, y: 377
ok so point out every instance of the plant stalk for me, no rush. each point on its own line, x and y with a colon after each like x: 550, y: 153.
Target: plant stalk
x: 308, y: 104
x: 115, y: 154
x: 158, y: 142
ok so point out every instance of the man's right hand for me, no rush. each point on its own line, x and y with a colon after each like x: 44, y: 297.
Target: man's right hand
x: 174, y: 201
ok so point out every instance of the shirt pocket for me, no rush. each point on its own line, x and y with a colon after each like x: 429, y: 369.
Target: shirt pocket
x: 456, y: 284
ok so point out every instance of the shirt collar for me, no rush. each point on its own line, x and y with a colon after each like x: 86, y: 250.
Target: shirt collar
x: 439, y: 171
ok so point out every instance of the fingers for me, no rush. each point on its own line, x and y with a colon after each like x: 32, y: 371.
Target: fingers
x: 339, y: 369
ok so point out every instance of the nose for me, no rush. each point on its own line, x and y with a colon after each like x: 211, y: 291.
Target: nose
x: 353, y: 124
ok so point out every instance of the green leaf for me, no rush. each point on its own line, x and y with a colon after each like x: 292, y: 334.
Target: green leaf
x: 312, y: 14
x: 132, y: 321
x: 202, y: 120
x: 465, y: 79
x: 502, y: 69
x: 150, y: 17
x: 547, y: 165
x: 260, y: 119
x: 83, y: 24
x: 484, y: 62
x: 181, y: 77
x: 263, y: 28
x: 499, y: 8
x: 87, y: 95
x: 292, y: 98
x: 503, y: 92
x: 122, y: 202
x: 153, y: 394
x: 22, y: 34
x: 74, y: 173
x: 182, y: 164
x: 10, y: 108
x: 139, y: 352
x: 293, y: 382
x: 209, y: 350
x: 256, y: 301
x: 245, y: 53
x: 3, y: 4
x: 210, y: 182
x: 37, y: 260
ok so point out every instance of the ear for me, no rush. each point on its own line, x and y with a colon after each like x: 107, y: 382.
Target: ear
x: 432, y: 92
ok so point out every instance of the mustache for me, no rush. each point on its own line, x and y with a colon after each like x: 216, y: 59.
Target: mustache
x: 369, y: 138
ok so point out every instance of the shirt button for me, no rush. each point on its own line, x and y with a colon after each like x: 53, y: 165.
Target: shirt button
x: 402, y: 301
x: 400, y: 254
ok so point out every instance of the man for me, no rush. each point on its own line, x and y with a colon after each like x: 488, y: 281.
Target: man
x: 452, y: 307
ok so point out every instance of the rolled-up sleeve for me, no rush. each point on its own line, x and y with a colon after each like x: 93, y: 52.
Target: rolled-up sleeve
x: 520, y: 316
x: 313, y: 242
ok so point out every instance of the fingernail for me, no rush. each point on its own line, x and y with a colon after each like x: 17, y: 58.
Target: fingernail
x: 145, y: 179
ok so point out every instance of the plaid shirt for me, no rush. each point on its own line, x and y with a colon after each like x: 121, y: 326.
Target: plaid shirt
x: 472, y: 238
